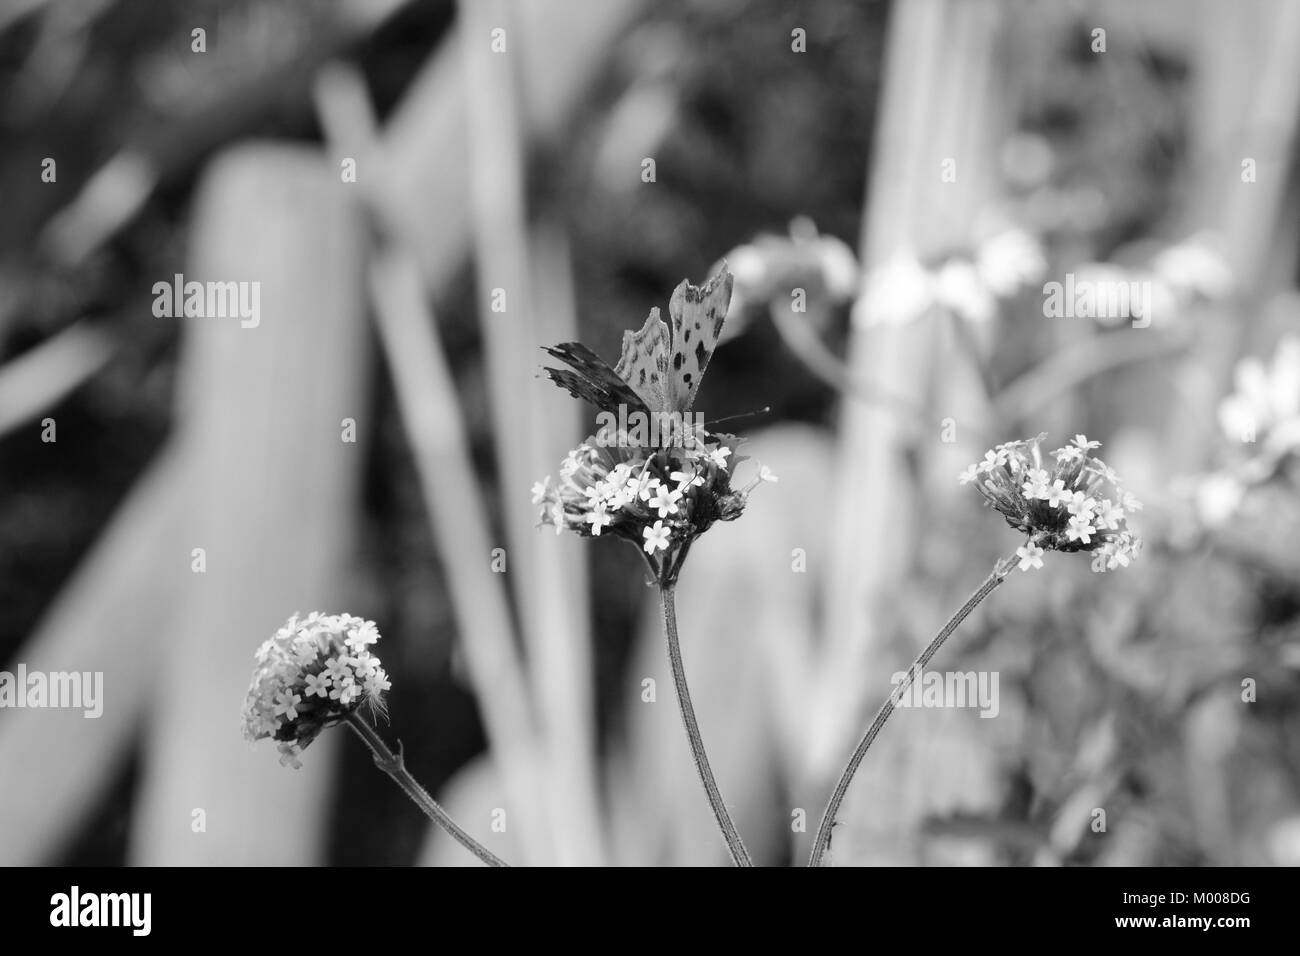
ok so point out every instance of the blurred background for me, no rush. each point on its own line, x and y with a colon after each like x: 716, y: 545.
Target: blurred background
x: 425, y: 192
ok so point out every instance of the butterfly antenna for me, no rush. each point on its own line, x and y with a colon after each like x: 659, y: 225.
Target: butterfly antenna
x: 765, y: 410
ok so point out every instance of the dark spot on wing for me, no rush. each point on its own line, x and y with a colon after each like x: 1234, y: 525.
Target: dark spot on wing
x: 686, y: 378
x: 654, y: 377
x: 677, y: 360
x: 701, y: 355
x: 686, y: 335
x: 641, y: 378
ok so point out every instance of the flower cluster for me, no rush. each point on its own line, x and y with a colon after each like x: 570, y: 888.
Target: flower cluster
x: 1261, y: 421
x: 313, y: 673
x: 970, y: 285
x: 659, y: 498
x: 1265, y: 408
x: 1072, y: 503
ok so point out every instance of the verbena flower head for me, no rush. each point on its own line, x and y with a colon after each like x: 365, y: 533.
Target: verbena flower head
x: 1071, y: 501
x: 312, y: 673
x: 652, y: 473
x: 660, y: 499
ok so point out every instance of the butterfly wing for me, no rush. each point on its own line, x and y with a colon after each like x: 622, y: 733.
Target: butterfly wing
x: 644, y: 362
x: 661, y: 366
x: 591, y: 378
x: 697, y: 315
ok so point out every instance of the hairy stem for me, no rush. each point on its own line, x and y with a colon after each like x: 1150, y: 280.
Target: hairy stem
x: 739, y: 855
x: 393, y: 765
x: 822, y: 841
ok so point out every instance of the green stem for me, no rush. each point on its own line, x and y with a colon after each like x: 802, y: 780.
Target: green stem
x: 739, y: 855
x: 823, y: 839
x: 393, y: 765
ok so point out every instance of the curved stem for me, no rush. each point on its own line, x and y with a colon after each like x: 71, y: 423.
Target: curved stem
x: 393, y: 765
x: 823, y: 839
x: 739, y: 855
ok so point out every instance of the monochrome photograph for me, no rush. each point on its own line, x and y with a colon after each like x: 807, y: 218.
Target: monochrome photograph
x: 604, y: 434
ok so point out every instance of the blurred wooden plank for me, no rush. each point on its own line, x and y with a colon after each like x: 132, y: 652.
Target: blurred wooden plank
x: 1246, y: 104
x: 562, y: 666
x: 431, y: 414
x: 272, y: 501
x: 424, y: 199
x: 502, y: 256
x: 110, y: 618
x: 425, y: 193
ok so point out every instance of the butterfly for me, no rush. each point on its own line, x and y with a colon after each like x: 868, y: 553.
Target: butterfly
x: 662, y: 364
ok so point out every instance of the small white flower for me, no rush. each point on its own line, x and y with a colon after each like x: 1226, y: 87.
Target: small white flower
x: 1080, y: 504
x: 345, y: 691
x: 686, y: 479
x: 619, y: 495
x: 338, y: 669
x: 765, y: 474
x: 993, y: 459
x: 1030, y: 555
x: 1056, y: 494
x: 969, y: 475
x: 359, y: 638
x: 649, y: 489
x: 1080, y: 529
x: 656, y: 538
x: 719, y: 456
x: 377, y: 683
x: 665, y: 500
x: 286, y: 703
x: 1104, y: 471
x: 1036, y: 484
x: 1108, y: 515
